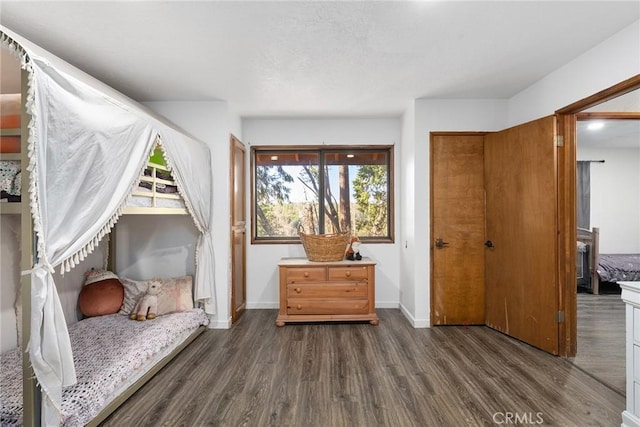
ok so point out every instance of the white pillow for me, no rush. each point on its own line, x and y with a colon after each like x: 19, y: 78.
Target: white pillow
x: 175, y: 294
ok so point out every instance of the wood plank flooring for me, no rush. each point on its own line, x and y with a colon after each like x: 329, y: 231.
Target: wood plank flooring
x: 353, y: 374
x: 601, y: 338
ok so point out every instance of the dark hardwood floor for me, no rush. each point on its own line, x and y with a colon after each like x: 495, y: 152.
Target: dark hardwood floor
x: 601, y: 338
x: 256, y: 374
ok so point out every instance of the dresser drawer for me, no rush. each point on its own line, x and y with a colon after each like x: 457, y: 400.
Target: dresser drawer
x: 327, y: 306
x: 306, y: 274
x: 348, y: 273
x: 333, y: 291
x: 328, y: 290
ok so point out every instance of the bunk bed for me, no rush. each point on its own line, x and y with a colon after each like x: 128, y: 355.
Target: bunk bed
x: 10, y: 157
x: 598, y: 267
x: 83, y: 161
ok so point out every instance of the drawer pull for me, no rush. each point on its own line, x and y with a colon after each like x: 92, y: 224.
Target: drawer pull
x: 298, y: 290
x: 348, y: 274
x: 299, y: 306
x: 306, y: 274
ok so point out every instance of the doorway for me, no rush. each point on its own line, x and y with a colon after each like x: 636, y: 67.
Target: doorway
x: 500, y: 221
x: 608, y: 165
x: 238, y: 228
x: 566, y: 241
x: 567, y: 224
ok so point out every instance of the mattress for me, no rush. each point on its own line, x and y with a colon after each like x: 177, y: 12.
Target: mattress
x: 10, y: 110
x: 619, y: 267
x: 110, y: 353
x: 10, y: 180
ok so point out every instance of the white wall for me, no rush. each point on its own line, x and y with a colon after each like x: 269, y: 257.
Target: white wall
x: 262, y: 259
x: 403, y: 271
x: 149, y: 246
x: 612, y: 61
x: 609, y: 63
x: 615, y: 197
x: 406, y: 212
x: 212, y: 123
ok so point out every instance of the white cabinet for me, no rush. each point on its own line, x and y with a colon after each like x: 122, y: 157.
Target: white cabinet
x: 631, y: 296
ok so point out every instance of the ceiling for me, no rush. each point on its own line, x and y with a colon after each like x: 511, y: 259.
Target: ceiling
x: 612, y: 134
x: 317, y: 58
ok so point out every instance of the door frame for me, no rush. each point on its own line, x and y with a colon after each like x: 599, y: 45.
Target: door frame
x: 233, y: 144
x: 567, y: 129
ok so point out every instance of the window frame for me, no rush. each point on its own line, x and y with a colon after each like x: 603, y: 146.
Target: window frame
x: 321, y: 150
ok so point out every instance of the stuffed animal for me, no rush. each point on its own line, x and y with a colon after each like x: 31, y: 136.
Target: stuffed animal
x: 147, y: 306
x: 352, y: 252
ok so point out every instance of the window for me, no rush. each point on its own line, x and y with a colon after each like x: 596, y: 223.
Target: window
x: 322, y: 190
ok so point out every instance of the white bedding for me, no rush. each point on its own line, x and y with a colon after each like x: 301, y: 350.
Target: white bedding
x: 110, y: 353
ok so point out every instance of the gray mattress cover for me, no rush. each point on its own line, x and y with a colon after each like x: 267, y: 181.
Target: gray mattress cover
x: 619, y: 267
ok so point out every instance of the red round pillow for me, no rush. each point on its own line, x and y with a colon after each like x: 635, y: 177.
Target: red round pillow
x: 100, y: 298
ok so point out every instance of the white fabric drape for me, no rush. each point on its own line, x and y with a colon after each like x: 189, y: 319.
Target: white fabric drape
x: 87, y: 147
x: 79, y: 185
x: 191, y: 169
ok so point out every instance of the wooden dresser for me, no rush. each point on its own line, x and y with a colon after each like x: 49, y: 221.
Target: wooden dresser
x: 326, y: 291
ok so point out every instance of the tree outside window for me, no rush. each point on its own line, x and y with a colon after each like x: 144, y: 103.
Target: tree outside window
x: 322, y: 191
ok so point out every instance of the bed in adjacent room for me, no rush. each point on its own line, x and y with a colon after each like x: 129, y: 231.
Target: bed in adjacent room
x: 594, y: 268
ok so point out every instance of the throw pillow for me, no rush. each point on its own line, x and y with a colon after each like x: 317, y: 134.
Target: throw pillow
x: 175, y: 294
x: 102, y: 294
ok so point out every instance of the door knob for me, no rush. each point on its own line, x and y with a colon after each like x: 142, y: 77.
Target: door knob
x: 441, y: 243
x: 489, y: 244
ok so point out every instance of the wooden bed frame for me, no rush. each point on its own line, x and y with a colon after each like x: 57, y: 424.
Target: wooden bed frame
x: 122, y: 397
x: 31, y: 394
x: 154, y: 195
x: 592, y: 238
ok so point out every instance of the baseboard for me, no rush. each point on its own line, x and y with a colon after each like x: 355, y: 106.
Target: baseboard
x: 630, y: 420
x: 387, y: 304
x: 263, y: 305
x: 219, y: 324
x: 416, y: 323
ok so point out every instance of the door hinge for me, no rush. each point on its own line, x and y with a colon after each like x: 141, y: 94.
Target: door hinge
x: 559, y: 316
x: 559, y: 141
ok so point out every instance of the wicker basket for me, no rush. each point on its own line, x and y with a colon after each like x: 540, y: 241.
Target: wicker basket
x: 325, y: 247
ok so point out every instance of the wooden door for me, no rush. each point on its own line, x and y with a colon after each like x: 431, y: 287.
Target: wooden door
x: 457, y: 229
x: 238, y: 229
x: 521, y: 204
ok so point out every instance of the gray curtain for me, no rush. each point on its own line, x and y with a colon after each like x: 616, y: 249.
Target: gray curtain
x: 583, y: 192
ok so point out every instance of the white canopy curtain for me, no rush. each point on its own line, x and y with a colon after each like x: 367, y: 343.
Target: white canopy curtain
x: 88, y: 144
x: 191, y: 170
